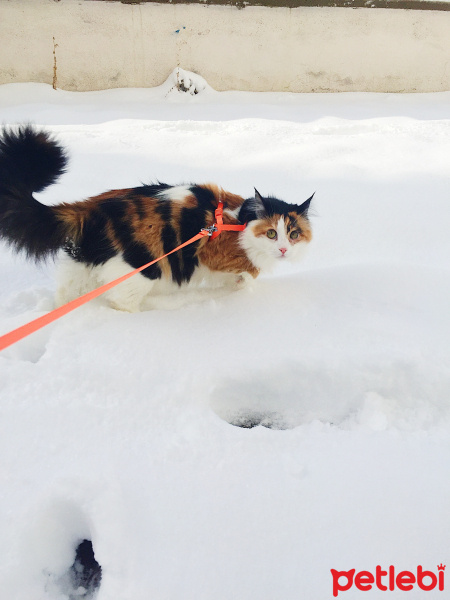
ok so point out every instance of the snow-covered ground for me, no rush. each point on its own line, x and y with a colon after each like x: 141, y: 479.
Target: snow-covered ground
x: 117, y: 427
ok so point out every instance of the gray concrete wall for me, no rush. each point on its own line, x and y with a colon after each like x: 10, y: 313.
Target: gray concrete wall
x: 96, y: 45
x: 403, y: 4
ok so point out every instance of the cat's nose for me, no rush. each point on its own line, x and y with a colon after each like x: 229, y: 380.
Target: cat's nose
x: 283, y: 251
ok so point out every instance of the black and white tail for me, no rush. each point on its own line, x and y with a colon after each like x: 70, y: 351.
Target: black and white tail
x: 30, y: 161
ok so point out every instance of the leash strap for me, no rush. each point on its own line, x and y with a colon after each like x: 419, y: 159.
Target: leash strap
x: 21, y: 332
x: 25, y: 330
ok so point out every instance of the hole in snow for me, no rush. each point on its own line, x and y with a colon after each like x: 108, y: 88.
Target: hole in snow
x: 56, y: 550
x: 249, y: 419
x: 285, y: 397
x: 85, y: 574
x: 375, y: 396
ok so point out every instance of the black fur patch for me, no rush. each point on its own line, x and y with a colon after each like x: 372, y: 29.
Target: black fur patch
x: 303, y: 209
x: 169, y: 237
x: 205, y: 197
x: 139, y: 206
x: 134, y: 252
x: 94, y: 248
x: 29, y: 162
x: 29, y: 226
x: 192, y: 220
x: 114, y: 211
x: 152, y: 189
x: 272, y: 206
x: 169, y: 243
x: 137, y: 255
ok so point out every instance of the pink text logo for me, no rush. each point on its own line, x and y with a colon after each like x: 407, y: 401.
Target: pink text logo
x: 388, y: 580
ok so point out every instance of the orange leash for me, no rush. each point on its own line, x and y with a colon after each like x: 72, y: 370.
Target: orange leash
x: 21, y: 332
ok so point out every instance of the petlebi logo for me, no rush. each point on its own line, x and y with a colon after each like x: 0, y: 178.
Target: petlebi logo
x: 388, y: 580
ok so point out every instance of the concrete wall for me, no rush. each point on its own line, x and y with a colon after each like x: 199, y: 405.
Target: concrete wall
x: 110, y: 44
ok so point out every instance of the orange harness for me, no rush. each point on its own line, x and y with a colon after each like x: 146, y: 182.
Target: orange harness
x: 21, y: 332
x: 218, y: 226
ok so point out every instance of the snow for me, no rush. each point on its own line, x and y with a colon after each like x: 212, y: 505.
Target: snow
x: 116, y: 427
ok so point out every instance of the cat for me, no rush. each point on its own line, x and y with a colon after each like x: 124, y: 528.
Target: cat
x: 108, y: 235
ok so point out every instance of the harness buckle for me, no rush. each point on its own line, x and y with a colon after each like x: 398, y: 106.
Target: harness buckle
x: 210, y: 230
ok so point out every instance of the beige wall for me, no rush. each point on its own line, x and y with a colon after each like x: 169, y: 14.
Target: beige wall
x: 110, y: 44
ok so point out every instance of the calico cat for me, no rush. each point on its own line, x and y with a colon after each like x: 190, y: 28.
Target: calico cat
x: 108, y: 235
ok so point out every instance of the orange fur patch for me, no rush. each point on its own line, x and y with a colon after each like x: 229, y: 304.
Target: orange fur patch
x: 263, y: 227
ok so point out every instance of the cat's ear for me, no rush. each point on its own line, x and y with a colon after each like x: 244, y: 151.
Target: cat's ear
x: 303, y: 208
x: 258, y: 205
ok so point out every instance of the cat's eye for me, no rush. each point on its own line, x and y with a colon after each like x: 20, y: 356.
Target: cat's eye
x: 271, y: 234
x: 294, y: 235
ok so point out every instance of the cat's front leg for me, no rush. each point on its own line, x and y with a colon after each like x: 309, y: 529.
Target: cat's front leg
x: 233, y: 281
x: 129, y: 294
x: 243, y: 280
x: 73, y: 279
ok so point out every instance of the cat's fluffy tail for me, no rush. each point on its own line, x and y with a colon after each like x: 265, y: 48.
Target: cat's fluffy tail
x: 30, y: 160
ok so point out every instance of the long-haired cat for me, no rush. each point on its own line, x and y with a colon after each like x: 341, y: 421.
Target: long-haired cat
x: 108, y: 235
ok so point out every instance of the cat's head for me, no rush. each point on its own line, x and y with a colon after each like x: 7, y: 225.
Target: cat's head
x: 276, y: 231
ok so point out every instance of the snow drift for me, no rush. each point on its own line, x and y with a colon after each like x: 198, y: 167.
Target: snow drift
x: 241, y: 447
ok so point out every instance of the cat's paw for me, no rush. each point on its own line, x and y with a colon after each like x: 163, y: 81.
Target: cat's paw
x: 243, y: 280
x: 130, y: 307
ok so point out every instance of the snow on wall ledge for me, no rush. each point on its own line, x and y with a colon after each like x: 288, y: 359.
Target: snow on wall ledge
x: 97, y: 45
